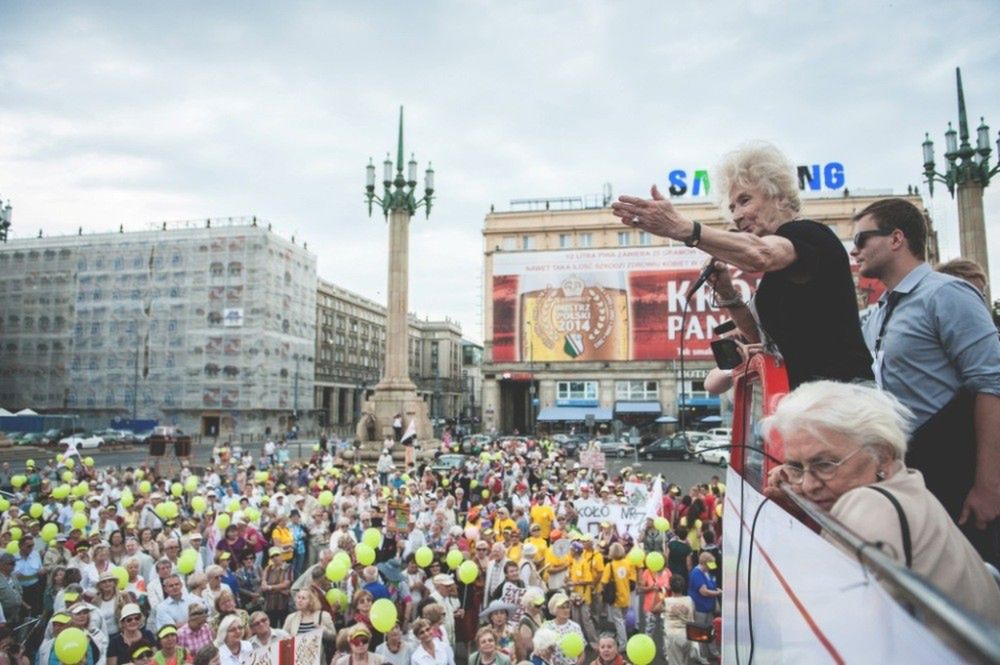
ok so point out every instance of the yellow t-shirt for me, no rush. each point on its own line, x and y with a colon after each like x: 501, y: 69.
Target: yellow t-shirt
x: 501, y: 525
x: 620, y: 573
x: 552, y: 560
x: 514, y: 553
x: 581, y: 570
x: 543, y: 515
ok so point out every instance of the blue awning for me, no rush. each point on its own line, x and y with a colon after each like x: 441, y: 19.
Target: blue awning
x: 700, y: 401
x: 667, y: 420
x: 573, y: 414
x: 638, y: 407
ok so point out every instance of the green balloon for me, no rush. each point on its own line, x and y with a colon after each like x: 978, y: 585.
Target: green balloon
x: 364, y: 554
x: 424, y: 556
x: 78, y: 521
x: 337, y: 597
x: 636, y: 556
x: 71, y: 646
x: 572, y: 644
x: 383, y: 615
x: 655, y: 562
x: 336, y: 570
x: 345, y: 557
x: 454, y: 559
x: 468, y: 571
x: 641, y: 649
x: 661, y: 524
x: 199, y: 504
x: 372, y: 538
x: 49, y: 531
x: 187, y: 561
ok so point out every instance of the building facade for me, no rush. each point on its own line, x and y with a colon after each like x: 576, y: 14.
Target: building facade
x: 586, y: 323
x: 350, y: 356
x: 472, y: 376
x: 209, y: 326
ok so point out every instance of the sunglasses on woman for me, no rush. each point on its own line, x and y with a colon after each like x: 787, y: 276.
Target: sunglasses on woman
x: 360, y: 640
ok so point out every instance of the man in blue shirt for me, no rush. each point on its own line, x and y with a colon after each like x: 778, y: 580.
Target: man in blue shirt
x: 935, y: 348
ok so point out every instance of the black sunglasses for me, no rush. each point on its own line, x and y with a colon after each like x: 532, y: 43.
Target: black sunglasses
x: 861, y: 237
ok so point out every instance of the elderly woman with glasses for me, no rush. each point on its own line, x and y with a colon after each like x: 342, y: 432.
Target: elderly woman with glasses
x: 429, y: 650
x: 805, y: 303
x: 844, y: 448
x: 233, y: 649
x: 131, y: 636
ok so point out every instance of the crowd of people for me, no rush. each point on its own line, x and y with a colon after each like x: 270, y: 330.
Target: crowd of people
x: 490, y: 562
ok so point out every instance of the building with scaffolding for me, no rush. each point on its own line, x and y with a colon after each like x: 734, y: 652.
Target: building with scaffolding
x: 207, y: 325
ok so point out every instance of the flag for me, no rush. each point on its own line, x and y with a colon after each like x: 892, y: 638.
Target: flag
x: 411, y: 430
x: 573, y: 346
x: 303, y: 649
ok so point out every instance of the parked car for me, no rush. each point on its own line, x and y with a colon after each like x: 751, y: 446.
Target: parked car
x: 29, y: 439
x: 570, y: 443
x: 668, y: 447
x: 474, y: 443
x: 609, y: 445
x: 721, y: 433
x: 694, y: 439
x: 116, y: 435
x: 718, y: 456
x: 448, y: 461
x: 84, y: 440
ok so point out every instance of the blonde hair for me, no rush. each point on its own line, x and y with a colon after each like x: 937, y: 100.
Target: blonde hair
x: 758, y: 165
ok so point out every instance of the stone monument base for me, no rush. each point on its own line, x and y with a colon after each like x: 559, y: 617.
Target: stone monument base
x: 386, y: 402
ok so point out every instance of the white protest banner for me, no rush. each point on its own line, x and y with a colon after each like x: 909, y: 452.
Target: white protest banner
x: 304, y: 649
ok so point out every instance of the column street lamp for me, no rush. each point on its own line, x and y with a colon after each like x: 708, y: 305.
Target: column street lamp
x: 6, y: 212
x: 401, y: 198
x: 969, y: 172
x: 396, y: 393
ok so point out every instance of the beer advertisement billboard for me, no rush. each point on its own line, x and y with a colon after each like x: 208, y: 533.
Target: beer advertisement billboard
x: 609, y: 305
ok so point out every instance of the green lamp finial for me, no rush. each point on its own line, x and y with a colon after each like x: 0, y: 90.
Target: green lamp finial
x: 399, y: 157
x: 963, y: 122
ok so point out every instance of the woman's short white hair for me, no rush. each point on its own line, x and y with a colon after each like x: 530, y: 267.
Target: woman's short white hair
x: 224, y: 626
x: 860, y: 412
x: 544, y: 639
x: 531, y: 596
x: 758, y: 165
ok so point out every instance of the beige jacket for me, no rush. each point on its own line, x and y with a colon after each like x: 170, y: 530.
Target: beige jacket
x: 941, y: 554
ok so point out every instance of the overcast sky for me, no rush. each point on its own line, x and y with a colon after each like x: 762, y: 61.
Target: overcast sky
x: 130, y: 113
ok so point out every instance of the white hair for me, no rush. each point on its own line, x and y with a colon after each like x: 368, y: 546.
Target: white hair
x: 758, y: 165
x: 224, y: 625
x: 531, y: 596
x: 861, y: 413
x: 544, y: 639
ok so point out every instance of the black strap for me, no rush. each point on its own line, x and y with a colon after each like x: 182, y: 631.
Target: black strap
x: 890, y: 304
x: 904, y: 526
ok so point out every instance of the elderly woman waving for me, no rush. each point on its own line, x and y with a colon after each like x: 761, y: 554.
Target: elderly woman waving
x: 844, y: 447
x: 805, y: 303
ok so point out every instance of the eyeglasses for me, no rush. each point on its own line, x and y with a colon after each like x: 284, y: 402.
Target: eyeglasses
x: 360, y: 640
x: 861, y: 237
x: 134, y: 617
x: 823, y: 470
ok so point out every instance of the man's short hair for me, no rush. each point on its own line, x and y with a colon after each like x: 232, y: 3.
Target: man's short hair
x: 896, y: 213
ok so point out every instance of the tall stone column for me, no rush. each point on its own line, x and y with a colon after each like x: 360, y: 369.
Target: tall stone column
x: 397, y: 338
x: 972, y: 226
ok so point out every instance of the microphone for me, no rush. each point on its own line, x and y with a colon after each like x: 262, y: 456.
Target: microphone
x: 702, y: 278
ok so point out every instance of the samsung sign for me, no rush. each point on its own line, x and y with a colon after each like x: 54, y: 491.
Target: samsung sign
x: 814, y: 178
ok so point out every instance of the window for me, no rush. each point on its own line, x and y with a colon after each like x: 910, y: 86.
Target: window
x: 509, y: 244
x: 586, y: 240
x: 576, y: 390
x: 624, y: 238
x: 565, y: 241
x: 694, y: 389
x: 527, y: 242
x: 637, y: 390
x: 645, y: 238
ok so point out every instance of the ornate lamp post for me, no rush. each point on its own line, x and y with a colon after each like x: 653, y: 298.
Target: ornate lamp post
x: 396, y: 393
x: 6, y: 212
x: 969, y: 172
